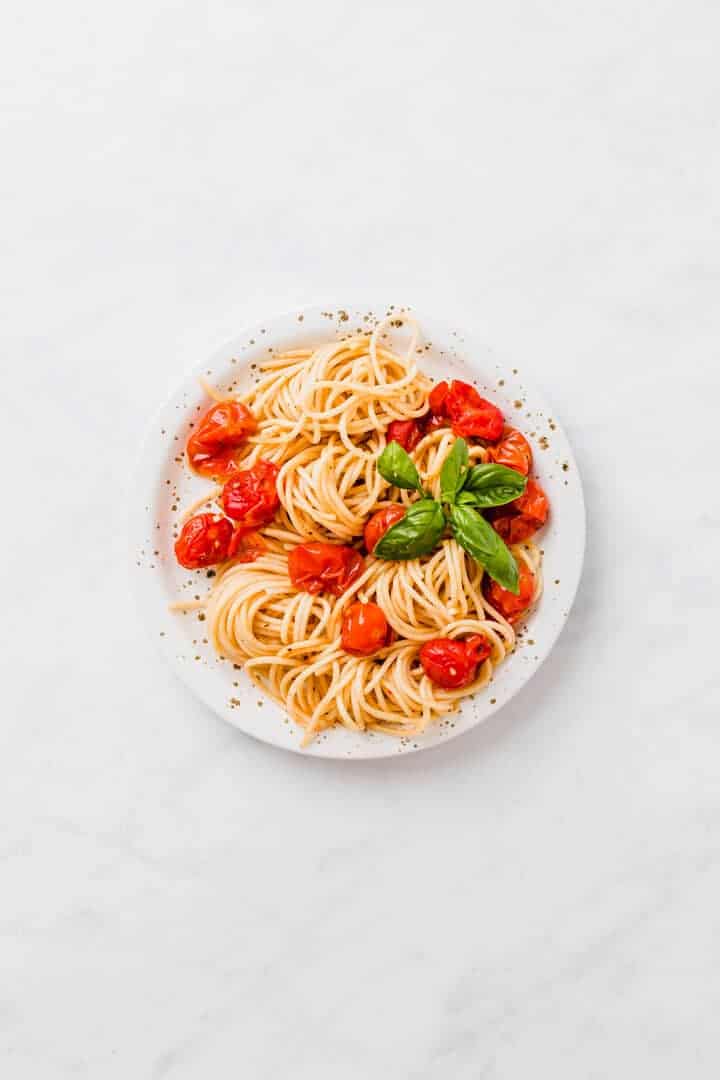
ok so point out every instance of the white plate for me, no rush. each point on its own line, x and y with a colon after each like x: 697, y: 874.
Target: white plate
x: 163, y: 486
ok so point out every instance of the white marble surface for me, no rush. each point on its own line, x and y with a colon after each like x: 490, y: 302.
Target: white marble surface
x: 541, y: 897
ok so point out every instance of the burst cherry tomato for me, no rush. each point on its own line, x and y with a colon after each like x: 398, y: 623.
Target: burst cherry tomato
x: 509, y: 605
x: 432, y: 423
x: 250, y: 495
x: 513, y: 451
x: 318, y: 567
x: 524, y: 516
x: 204, y: 541
x: 380, y: 522
x: 472, y: 414
x: 364, y: 629
x: 437, y: 399
x: 219, y: 433
x: 245, y: 547
x: 469, y: 414
x: 452, y: 664
x: 406, y: 432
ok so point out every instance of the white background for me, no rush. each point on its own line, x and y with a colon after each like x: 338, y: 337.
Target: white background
x: 538, y: 898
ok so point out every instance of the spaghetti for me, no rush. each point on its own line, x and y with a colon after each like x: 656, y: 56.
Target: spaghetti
x: 323, y: 419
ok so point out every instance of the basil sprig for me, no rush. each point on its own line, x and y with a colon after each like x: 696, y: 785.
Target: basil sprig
x: 465, y: 490
x: 418, y: 533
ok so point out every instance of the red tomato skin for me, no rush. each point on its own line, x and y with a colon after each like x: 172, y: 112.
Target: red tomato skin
x: 379, y: 524
x: 510, y: 606
x: 406, y: 432
x: 533, y: 502
x: 522, y: 518
x: 204, y: 541
x: 513, y: 451
x: 438, y: 398
x: 364, y: 629
x: 250, y: 495
x: 246, y: 547
x: 219, y: 433
x: 452, y: 664
x: 477, y: 646
x: 319, y: 567
x: 472, y: 415
x: 432, y: 423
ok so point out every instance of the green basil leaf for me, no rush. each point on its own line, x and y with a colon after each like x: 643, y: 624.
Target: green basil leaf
x: 454, y: 471
x: 494, y: 485
x: 480, y: 540
x: 416, y: 534
x: 397, y: 467
x: 467, y: 498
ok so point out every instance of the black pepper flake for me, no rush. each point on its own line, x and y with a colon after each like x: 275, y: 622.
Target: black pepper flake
x: 201, y: 617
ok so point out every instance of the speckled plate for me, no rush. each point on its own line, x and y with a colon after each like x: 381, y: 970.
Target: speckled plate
x: 163, y: 486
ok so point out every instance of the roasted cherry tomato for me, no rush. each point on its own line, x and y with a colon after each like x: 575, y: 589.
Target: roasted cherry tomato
x: 524, y: 516
x: 452, y: 664
x: 507, y: 603
x: 380, y: 522
x: 469, y: 414
x: 437, y: 399
x: 223, y: 428
x: 318, y: 567
x: 364, y: 629
x: 250, y: 495
x: 513, y: 451
x: 204, y: 541
x: 406, y: 432
x: 432, y: 423
x: 245, y: 546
